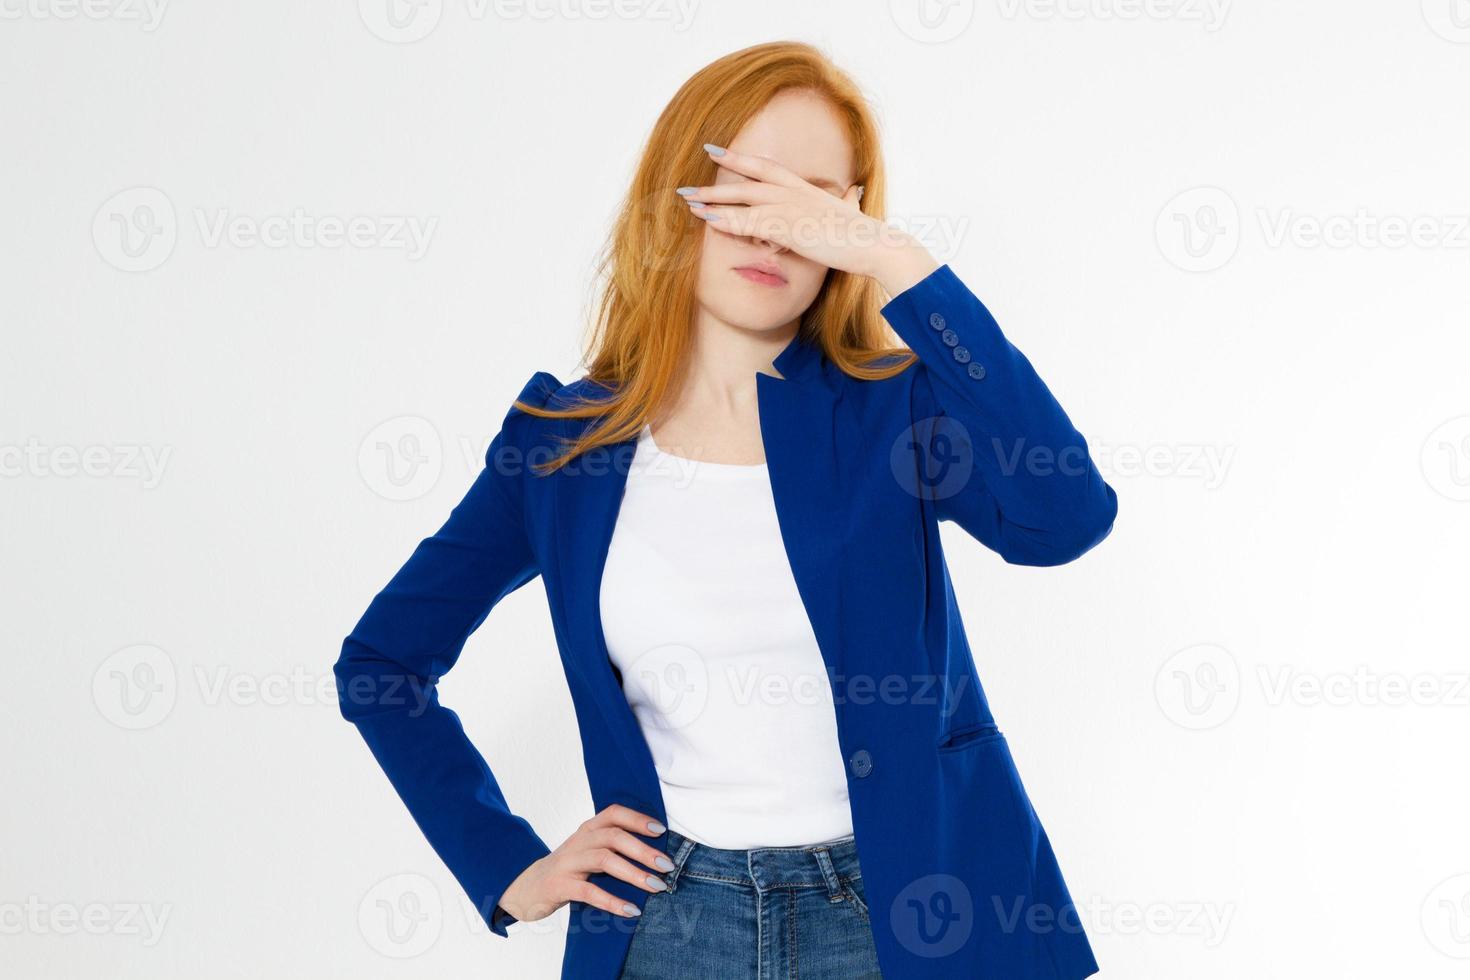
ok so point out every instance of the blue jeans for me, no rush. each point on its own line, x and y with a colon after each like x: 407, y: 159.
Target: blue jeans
x: 759, y: 914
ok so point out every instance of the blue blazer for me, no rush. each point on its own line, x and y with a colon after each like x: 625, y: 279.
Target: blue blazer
x: 959, y: 875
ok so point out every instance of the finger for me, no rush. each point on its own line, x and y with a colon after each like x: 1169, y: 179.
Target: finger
x: 731, y: 219
x: 608, y: 861
x: 756, y: 168
x: 618, y: 815
x: 589, y: 894
x: 748, y: 222
x: 854, y: 196
x: 735, y: 192
x: 619, y: 840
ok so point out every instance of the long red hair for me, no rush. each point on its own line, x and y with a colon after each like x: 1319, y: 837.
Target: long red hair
x: 641, y: 335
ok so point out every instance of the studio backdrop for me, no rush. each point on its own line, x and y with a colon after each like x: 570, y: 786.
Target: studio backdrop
x: 274, y: 272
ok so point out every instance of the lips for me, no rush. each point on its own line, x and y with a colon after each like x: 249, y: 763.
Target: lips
x: 765, y: 273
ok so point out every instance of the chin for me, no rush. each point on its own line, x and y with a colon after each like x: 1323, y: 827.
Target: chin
x: 755, y: 321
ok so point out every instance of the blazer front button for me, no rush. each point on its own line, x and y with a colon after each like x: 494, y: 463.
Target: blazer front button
x: 950, y: 338
x: 977, y: 372
x: 962, y: 354
x: 862, y: 763
x: 936, y: 321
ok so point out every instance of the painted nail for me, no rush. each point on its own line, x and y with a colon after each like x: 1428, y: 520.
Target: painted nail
x: 686, y: 191
x: 695, y: 204
x: 657, y: 884
x: 714, y: 151
x: 629, y: 909
x: 708, y: 215
x: 654, y: 827
x: 663, y: 864
x: 860, y: 193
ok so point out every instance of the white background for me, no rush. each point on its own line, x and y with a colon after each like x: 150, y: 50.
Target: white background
x: 1243, y: 718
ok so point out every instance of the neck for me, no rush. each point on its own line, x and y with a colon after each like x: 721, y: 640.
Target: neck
x: 723, y: 362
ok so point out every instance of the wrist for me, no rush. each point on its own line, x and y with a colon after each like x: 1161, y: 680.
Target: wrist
x: 512, y: 900
x: 900, y: 262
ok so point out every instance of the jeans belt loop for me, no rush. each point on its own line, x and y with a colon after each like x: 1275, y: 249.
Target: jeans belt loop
x: 671, y: 878
x: 829, y: 874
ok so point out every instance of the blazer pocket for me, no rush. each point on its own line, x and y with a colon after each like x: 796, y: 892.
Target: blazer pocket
x: 969, y: 736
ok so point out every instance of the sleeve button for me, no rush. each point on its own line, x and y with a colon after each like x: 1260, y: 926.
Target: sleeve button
x: 950, y: 338
x: 976, y: 371
x: 962, y: 354
x: 936, y: 321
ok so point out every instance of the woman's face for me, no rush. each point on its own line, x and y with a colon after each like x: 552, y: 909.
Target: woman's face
x: 801, y: 131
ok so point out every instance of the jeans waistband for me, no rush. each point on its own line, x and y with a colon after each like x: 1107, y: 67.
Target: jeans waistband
x: 822, y: 865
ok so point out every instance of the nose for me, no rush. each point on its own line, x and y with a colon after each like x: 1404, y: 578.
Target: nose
x: 772, y: 246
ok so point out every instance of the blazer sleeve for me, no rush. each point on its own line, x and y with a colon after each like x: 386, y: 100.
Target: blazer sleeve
x: 1034, y: 494
x: 412, y: 633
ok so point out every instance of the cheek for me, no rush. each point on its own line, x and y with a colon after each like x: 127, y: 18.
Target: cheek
x: 715, y: 254
x: 806, y: 280
x: 716, y: 247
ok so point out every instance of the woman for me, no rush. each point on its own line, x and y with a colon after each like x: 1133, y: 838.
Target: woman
x: 736, y: 518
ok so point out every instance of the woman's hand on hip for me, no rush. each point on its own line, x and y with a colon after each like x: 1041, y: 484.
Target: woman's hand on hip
x: 605, y: 843
x: 776, y: 205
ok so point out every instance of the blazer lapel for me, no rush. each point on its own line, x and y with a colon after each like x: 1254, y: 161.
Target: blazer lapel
x: 588, y: 496
x: 802, y: 424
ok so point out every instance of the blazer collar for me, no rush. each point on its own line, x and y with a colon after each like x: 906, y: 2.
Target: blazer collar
x: 800, y: 358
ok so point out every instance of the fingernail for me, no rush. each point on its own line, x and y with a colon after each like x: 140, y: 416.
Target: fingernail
x: 708, y: 215
x: 663, y: 864
x: 714, y: 151
x: 657, y: 884
x: 629, y: 909
x: 654, y: 827
x: 860, y: 193
x: 686, y: 191
x: 694, y: 204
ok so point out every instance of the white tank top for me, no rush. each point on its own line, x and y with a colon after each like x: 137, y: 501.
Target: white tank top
x: 719, y: 663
